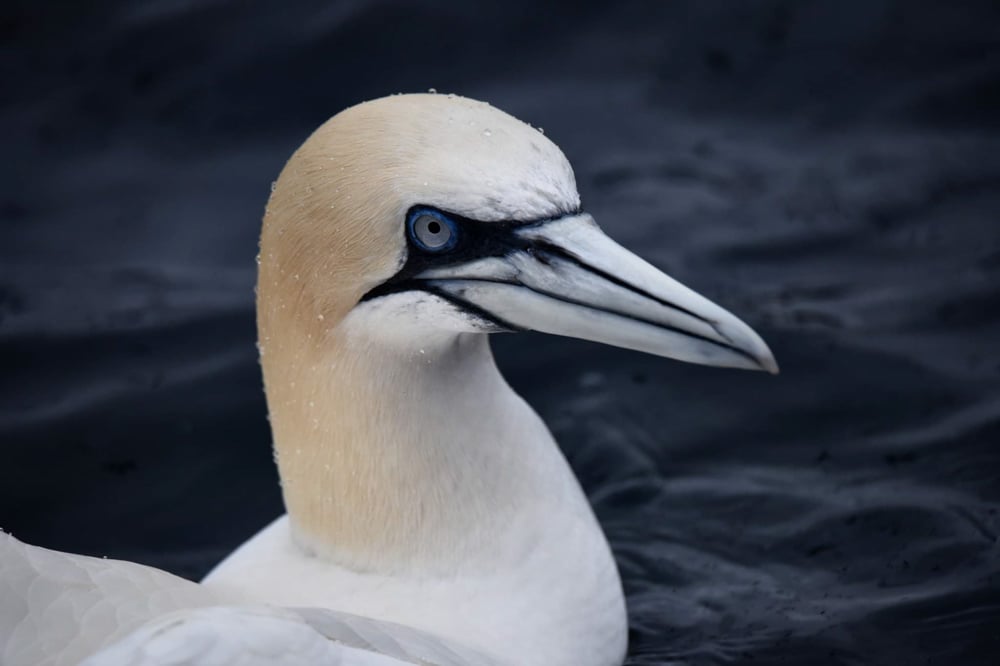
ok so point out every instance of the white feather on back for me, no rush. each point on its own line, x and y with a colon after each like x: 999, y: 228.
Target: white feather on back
x: 270, y: 636
x: 60, y: 610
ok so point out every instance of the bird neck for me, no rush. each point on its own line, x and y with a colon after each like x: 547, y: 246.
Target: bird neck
x: 395, y: 457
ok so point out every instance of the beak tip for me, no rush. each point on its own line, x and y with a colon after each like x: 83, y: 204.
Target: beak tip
x: 756, y: 353
x: 765, y: 358
x: 770, y: 366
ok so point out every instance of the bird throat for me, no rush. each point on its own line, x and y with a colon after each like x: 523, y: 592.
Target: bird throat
x: 399, y: 457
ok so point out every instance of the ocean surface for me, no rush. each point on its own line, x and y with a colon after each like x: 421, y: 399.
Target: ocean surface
x: 828, y: 171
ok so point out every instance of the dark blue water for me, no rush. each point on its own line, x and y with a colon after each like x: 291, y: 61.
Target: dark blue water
x: 829, y: 171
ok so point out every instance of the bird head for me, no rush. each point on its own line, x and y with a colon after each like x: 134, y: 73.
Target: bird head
x: 429, y: 216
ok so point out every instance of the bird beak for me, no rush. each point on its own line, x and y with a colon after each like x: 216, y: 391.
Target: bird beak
x: 566, y: 277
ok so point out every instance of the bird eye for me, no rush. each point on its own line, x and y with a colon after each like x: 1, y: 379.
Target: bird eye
x: 432, y: 231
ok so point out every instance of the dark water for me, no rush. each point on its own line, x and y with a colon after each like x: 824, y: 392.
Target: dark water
x: 829, y: 171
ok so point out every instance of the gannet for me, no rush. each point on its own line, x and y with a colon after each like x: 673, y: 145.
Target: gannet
x: 431, y: 517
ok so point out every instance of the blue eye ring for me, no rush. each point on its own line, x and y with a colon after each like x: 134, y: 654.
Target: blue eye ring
x: 431, y: 230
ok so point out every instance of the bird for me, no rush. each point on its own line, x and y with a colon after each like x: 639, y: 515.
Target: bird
x: 430, y: 516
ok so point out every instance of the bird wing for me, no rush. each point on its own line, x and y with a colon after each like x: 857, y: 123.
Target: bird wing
x: 271, y: 636
x: 58, y: 609
x: 400, y: 642
x: 233, y: 636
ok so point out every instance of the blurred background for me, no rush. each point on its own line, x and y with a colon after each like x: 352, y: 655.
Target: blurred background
x: 828, y: 170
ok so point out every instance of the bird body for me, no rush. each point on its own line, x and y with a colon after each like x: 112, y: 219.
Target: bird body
x: 574, y: 618
x: 430, y: 512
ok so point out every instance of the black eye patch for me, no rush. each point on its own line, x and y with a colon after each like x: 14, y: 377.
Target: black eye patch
x: 473, y: 240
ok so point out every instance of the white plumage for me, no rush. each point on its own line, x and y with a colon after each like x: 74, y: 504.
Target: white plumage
x: 60, y: 609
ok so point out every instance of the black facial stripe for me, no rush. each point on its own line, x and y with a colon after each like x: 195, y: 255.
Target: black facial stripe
x: 398, y: 287
x: 477, y: 240
x: 474, y: 310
